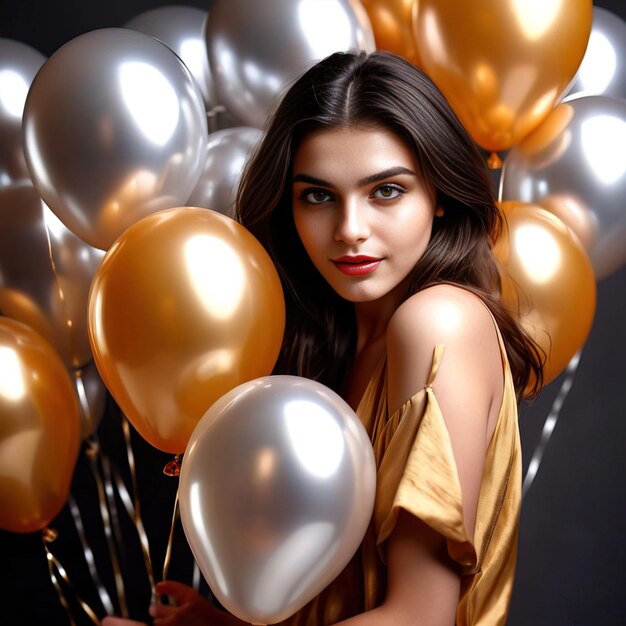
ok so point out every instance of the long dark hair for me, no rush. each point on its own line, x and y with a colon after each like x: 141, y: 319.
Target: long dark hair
x: 382, y: 89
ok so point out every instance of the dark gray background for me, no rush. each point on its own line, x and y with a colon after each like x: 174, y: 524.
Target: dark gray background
x: 572, y: 557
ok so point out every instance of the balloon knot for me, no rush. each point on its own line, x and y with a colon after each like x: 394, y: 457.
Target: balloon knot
x: 494, y: 162
x: 49, y: 534
x: 173, y: 467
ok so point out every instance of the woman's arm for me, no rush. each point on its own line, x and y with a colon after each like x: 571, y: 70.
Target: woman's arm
x: 423, y: 580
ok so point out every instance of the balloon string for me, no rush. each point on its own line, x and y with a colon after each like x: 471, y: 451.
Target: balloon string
x: 82, y: 398
x: 195, y: 581
x: 134, y: 509
x: 212, y: 117
x: 550, y: 423
x: 170, y: 539
x: 60, y: 291
x: 105, y: 599
x: 54, y: 563
x: 92, y: 453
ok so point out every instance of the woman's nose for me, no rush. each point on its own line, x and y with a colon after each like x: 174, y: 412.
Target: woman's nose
x: 352, y: 225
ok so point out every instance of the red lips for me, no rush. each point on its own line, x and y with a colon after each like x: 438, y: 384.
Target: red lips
x: 357, y: 265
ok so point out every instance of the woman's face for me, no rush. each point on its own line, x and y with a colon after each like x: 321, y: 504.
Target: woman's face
x: 362, y: 210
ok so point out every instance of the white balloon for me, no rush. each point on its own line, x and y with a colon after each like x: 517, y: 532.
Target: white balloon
x: 226, y: 154
x: 276, y: 492
x: 114, y: 129
x: 181, y: 28
x: 19, y: 63
x: 257, y: 48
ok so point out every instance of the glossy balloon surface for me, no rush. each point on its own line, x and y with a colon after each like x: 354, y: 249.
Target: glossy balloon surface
x: 181, y: 28
x: 39, y: 430
x: 257, y: 48
x: 602, y: 71
x: 185, y: 306
x: 114, y: 129
x: 547, y: 282
x: 227, y: 153
x: 18, y: 65
x: 502, y: 64
x: 574, y: 164
x: 276, y: 492
x: 45, y: 273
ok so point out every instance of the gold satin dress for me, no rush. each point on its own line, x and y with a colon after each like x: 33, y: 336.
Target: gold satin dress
x: 417, y: 472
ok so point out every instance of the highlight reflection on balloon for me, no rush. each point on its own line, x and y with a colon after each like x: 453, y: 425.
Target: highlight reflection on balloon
x: 227, y: 153
x: 185, y: 306
x: 290, y: 469
x: 18, y: 65
x: 547, y: 282
x: 45, y: 273
x: 602, y: 71
x: 504, y: 64
x: 256, y: 48
x: 181, y: 28
x: 578, y: 153
x: 39, y: 430
x: 91, y: 394
x: 392, y: 22
x: 114, y: 129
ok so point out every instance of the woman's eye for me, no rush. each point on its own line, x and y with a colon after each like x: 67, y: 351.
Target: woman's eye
x: 388, y: 192
x: 316, y: 196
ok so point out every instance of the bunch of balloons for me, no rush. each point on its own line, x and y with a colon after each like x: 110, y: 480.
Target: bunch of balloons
x: 132, y: 140
x: 105, y: 148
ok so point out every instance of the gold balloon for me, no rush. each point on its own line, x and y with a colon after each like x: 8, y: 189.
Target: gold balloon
x: 392, y: 22
x: 502, y: 64
x: 548, y: 282
x: 39, y: 429
x: 185, y: 306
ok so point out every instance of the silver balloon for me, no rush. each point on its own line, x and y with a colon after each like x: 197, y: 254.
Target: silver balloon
x: 18, y: 65
x: 181, y: 28
x: 574, y: 165
x: 114, y: 129
x: 602, y: 71
x: 276, y: 492
x: 45, y: 273
x: 92, y: 395
x: 226, y: 155
x: 257, y: 48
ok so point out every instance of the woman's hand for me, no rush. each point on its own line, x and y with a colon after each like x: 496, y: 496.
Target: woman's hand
x: 190, y: 609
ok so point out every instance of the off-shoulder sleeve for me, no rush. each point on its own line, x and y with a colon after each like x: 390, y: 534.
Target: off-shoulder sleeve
x: 418, y: 473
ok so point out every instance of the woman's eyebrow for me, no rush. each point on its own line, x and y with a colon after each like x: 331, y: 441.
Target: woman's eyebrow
x: 368, y: 180
x: 388, y: 173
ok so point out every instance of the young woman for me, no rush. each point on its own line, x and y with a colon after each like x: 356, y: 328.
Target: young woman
x: 378, y: 212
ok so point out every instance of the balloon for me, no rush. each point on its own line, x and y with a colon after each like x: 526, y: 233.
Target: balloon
x: 574, y: 164
x: 185, y: 306
x: 547, y: 282
x: 45, y: 273
x: 502, y: 64
x: 226, y: 155
x: 18, y: 65
x: 392, y: 21
x: 603, y: 68
x: 276, y: 492
x: 92, y: 395
x: 181, y: 28
x: 257, y: 48
x: 114, y: 129
x: 39, y: 430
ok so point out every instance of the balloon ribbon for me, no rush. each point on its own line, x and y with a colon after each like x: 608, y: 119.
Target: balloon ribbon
x: 54, y: 567
x: 550, y: 423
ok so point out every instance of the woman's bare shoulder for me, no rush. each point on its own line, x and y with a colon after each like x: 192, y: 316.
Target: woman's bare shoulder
x: 442, y: 315
x: 442, y: 312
